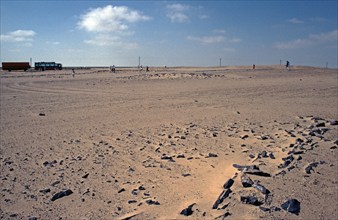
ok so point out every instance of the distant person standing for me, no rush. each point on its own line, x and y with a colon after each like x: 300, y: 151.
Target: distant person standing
x: 287, y: 65
x: 73, y: 72
x: 253, y: 66
x: 112, y: 68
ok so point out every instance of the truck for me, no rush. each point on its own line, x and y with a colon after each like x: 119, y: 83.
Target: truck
x: 42, y: 66
x: 15, y: 66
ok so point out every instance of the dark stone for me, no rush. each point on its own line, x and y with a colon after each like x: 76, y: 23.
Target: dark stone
x: 275, y: 209
x: 212, y: 155
x: 261, y: 188
x: 334, y: 122
x: 134, y: 192
x: 141, y: 188
x: 287, y: 161
x: 320, y: 124
x: 223, y: 216
x: 42, y: 114
x: 61, y: 194
x: 310, y: 167
x: 283, y: 172
x: 33, y: 218
x: 180, y: 156
x: 249, y: 167
x: 292, y: 205
x: 228, y: 184
x: 152, y: 202
x: 291, y: 168
x: 251, y: 200
x: 85, y: 176
x: 45, y: 191
x: 121, y: 190
x: 246, y: 181
x: 169, y: 158
x: 298, y: 152
x: 51, y: 164
x: 285, y: 164
x: 264, y: 209
x: 55, y: 183
x: 264, y: 154
x: 225, y: 193
x: 272, y: 156
x: 290, y: 158
x: 187, y: 211
x: 258, y: 173
x: 244, y: 136
x: 132, y: 201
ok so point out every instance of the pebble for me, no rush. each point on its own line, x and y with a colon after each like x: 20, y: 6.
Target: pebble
x: 292, y: 205
x: 61, y: 194
x: 228, y: 184
x: 212, y: 155
x: 261, y: 188
x: 44, y: 191
x: 187, y: 211
x: 310, y: 167
x: 152, y: 202
x: 246, y: 181
x: 252, y: 200
x: 244, y: 136
x: 334, y: 122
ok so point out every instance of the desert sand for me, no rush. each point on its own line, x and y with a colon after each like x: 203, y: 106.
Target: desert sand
x: 162, y: 144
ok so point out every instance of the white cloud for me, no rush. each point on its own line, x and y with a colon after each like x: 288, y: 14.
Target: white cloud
x: 228, y: 49
x: 207, y: 39
x: 109, y: 24
x: 204, y: 17
x: 218, y: 36
x: 219, y: 31
x: 312, y: 39
x: 18, y: 36
x: 104, y: 40
x: 178, y: 13
x: 53, y: 43
x: 235, y: 40
x: 109, y: 19
x: 295, y: 21
x: 111, y: 40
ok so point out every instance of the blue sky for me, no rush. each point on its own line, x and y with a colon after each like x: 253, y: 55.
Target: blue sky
x: 171, y: 33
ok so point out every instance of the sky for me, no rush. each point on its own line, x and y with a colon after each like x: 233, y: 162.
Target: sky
x: 170, y: 33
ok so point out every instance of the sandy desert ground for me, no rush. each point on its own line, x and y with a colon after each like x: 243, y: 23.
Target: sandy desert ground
x: 162, y: 144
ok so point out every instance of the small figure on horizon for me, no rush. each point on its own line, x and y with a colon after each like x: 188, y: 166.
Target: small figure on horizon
x: 147, y: 69
x: 253, y: 66
x: 287, y: 65
x: 141, y: 68
x: 112, y: 68
x: 73, y: 72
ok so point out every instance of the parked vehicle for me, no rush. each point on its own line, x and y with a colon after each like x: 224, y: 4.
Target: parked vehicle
x: 42, y: 66
x: 15, y: 66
